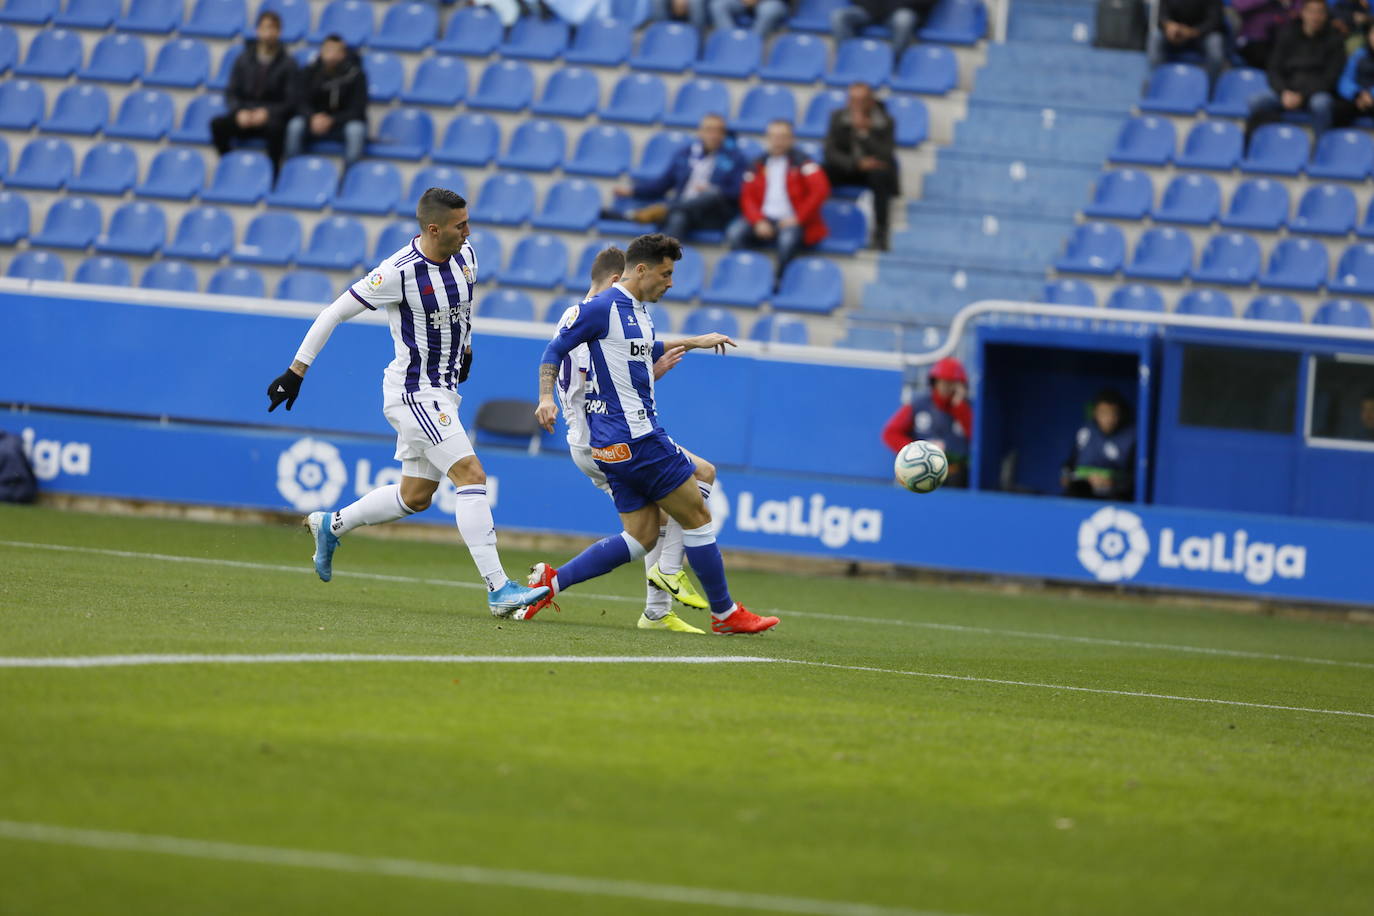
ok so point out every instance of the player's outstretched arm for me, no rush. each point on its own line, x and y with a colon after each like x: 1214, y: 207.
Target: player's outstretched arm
x: 713, y: 341
x: 287, y: 386
x: 583, y: 323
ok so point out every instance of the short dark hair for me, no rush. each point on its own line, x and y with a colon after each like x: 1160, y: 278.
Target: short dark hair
x: 334, y: 36
x: 607, y: 264
x: 1322, y: 2
x: 268, y: 14
x: 783, y: 121
x: 1110, y: 396
x: 434, y: 200
x: 652, y: 249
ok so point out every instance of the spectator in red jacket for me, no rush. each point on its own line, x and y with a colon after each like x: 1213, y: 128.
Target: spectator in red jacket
x: 941, y: 415
x: 780, y: 200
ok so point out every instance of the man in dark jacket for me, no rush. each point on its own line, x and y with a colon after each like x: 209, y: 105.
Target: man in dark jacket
x: 261, y: 96
x: 1101, y: 464
x: 904, y: 17
x: 333, y: 103
x: 1190, y: 26
x: 860, y: 150
x: 1303, y: 70
x: 701, y: 184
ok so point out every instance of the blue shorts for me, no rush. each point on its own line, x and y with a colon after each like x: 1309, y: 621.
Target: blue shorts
x: 644, y: 470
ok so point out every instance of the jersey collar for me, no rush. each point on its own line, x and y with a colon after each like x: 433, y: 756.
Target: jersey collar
x: 414, y: 245
x: 633, y: 301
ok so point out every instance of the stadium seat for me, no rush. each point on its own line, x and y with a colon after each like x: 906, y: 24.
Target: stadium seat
x: 1161, y: 254
x: 1212, y: 145
x: 195, y: 121
x: 21, y: 104
x: 336, y: 243
x: 538, y: 260
x: 666, y: 45
x: 534, y: 38
x: 156, y: 16
x: 1354, y: 271
x: 473, y: 31
x: 632, y: 13
x: 14, y: 217
x: 28, y: 12
x: 506, y: 200
x: 242, y: 177
x: 1175, y: 89
x: 1144, y: 141
x: 172, y: 276
x: 1346, y: 154
x: 469, y: 139
x: 580, y: 268
x: 688, y: 276
x: 37, y: 265
x: 295, y: 18
x: 369, y: 187
x: 658, y: 154
x: 1273, y: 308
x: 237, y: 281
x: 860, y: 60
x: 848, y: 227
x: 1192, y: 199
x: 570, y: 92
x: 143, y: 115
x: 183, y: 63
x: 599, y: 42
x: 638, y: 98
x: 175, y: 174
x: 4, y: 158
x: 816, y: 122
x: 487, y: 246
x: 1234, y: 89
x: 662, y: 318
x: 103, y: 270
x: 731, y: 53
x: 740, y: 278
x: 956, y: 22
x: 79, y: 109
x: 1121, y: 194
x: 272, y: 237
x: 795, y: 59
x: 707, y: 320
x: 407, y: 27
x: 405, y: 133
x: 305, y: 182
x: 1067, y: 291
x: 1137, y: 297
x: 695, y: 99
x: 53, y: 53
x: 602, y: 151
x: 1093, y: 248
x: 1231, y: 258
x: 1277, y: 149
x: 912, y: 121
x: 9, y: 48
x: 71, y: 222
x: 779, y: 329
x: 814, y: 15
x: 217, y: 19
x: 1343, y: 313
x: 506, y: 305
x: 204, y: 234
x: 108, y: 168
x: 1325, y: 209
x: 136, y: 228
x: 438, y: 80
x: 559, y: 305
x: 44, y: 164
x: 385, y: 75
x: 1296, y: 264
x: 116, y: 58
x: 351, y: 20
x: 506, y: 85
x: 305, y: 286
x: 762, y: 104
x: 219, y: 78
x: 393, y: 237
x: 433, y: 176
x: 1207, y: 303
x: 810, y: 284
x: 1258, y: 203
x: 927, y: 69
x: 535, y: 146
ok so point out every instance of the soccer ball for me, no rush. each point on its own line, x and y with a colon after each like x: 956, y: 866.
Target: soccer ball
x: 921, y: 466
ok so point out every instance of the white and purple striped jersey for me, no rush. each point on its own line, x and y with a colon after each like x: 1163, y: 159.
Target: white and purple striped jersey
x: 429, y: 308
x: 574, y: 378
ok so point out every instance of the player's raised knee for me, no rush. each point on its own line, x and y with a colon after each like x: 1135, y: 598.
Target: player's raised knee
x: 706, y: 471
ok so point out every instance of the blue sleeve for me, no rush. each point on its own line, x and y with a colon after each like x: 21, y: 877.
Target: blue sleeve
x: 591, y: 321
x: 1347, y: 87
x: 658, y: 349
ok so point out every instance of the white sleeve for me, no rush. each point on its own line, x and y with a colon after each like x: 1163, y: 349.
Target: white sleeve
x: 340, y: 310
x: 379, y: 289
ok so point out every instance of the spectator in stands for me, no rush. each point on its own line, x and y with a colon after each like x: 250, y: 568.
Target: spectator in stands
x: 1355, y: 91
x: 1304, y: 68
x: 1257, y: 23
x: 1101, y: 464
x: 692, y: 12
x: 262, y: 91
x: 701, y: 184
x: 333, y: 102
x: 860, y: 149
x: 1190, y: 26
x: 763, y: 16
x: 941, y: 414
x: 780, y: 201
x: 904, y: 17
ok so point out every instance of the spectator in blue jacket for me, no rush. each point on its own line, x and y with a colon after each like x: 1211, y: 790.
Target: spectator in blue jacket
x: 1356, y: 87
x: 701, y: 184
x: 1102, y: 462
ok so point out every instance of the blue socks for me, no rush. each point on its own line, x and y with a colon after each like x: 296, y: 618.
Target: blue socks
x: 599, y: 559
x: 704, y: 555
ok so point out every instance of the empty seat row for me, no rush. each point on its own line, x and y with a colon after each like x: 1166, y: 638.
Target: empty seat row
x: 213, y: 18
x: 1182, y: 89
x: 1210, y: 303
x: 1276, y: 149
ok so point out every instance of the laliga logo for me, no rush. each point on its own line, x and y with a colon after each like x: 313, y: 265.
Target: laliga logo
x: 833, y: 526
x: 311, y: 475
x: 1112, y: 544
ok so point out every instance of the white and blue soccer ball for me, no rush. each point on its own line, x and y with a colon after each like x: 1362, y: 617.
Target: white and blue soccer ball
x: 921, y: 466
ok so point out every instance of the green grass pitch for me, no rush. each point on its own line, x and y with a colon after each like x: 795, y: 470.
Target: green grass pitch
x: 871, y: 787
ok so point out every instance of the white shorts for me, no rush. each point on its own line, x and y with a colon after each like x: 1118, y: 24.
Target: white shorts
x: 429, y: 437
x: 582, y: 457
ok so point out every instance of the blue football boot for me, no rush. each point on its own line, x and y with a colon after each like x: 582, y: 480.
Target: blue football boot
x: 325, y: 543
x: 512, y: 599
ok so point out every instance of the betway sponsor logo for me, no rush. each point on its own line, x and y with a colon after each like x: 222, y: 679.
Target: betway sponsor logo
x: 1257, y: 561
x: 833, y: 526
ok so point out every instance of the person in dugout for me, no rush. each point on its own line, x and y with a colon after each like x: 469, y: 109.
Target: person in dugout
x: 1102, y: 462
x: 941, y: 414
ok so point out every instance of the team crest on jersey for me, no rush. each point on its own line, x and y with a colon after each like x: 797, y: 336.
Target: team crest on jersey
x: 467, y: 275
x: 444, y: 419
x: 374, y: 280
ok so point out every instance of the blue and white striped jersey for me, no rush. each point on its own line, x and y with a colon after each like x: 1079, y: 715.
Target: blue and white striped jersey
x: 429, y: 308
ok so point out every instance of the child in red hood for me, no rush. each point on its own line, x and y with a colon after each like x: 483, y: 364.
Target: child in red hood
x: 942, y: 415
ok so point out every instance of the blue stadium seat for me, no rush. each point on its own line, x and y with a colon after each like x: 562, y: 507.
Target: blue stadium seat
x: 599, y: 42
x: 4, y: 158
x: 814, y: 15
x: 795, y: 59
x: 21, y: 104
x: 1277, y: 149
x: 816, y: 122
x: 1175, y: 89
x: 351, y: 20
x: 217, y: 19
x: 243, y: 176
x: 762, y: 104
x: 71, y: 222
x: 295, y: 18
x: 740, y: 278
x: 810, y: 285
x: 369, y: 187
x: 1273, y: 308
x: 336, y: 243
x: 570, y: 92
x: 1325, y: 209
x: 1296, y: 264
x: 688, y: 277
x: 1093, y: 248
x: 860, y: 60
x: 1192, y: 199
x: 928, y: 69
x: 37, y: 265
x: 53, y: 53
x: 432, y: 176
x: 204, y: 234
x: 1067, y: 291
x: 183, y: 63
x: 1212, y: 145
x: 103, y: 270
x: 506, y: 200
x: 1354, y: 271
x: 407, y: 27
x: 632, y: 13
x: 1365, y: 229
x: 1231, y: 258
x: 956, y: 22
x: 1145, y: 141
x: 707, y: 320
x: 536, y: 146
x: 394, y: 236
x: 306, y: 182
x: 405, y: 133
x: 108, y: 168
x: 695, y: 99
x: 572, y: 205
x: 195, y: 121
x: 469, y: 139
x: 1207, y: 303
x: 1257, y: 203
x: 439, y: 80
x: 663, y: 319
x: 1234, y: 89
x: 175, y: 174
x: 538, y: 260
x: 779, y: 329
x: 533, y: 38
x: 237, y: 281
x: 385, y: 75
x: 580, y: 269
x: 638, y: 98
x: 506, y: 305
x: 136, y: 228
x: 156, y: 16
x: 79, y: 109
x: 1347, y: 154
x: 506, y: 85
x: 658, y: 154
x: 557, y: 306
x: 219, y: 78
x: 172, y: 276
x: 730, y: 52
x: 44, y: 164
x: 305, y: 286
x: 272, y: 237
x: 1121, y: 194
x: 487, y: 245
x: 28, y: 12
x: 666, y: 45
x: 14, y: 217
x: 1137, y: 297
x: 116, y: 58
x: 911, y: 120
x: 1161, y: 254
x: 473, y: 31
x: 9, y: 48
x: 848, y: 227
x: 857, y: 337
x: 1343, y: 313
x: 143, y: 115
x: 602, y: 151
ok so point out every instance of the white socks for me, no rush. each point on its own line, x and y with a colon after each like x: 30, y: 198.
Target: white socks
x: 658, y: 603
x: 473, y: 514
x: 670, y: 561
x: 381, y: 505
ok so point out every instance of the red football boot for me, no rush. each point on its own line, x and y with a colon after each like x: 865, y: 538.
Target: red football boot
x: 738, y: 621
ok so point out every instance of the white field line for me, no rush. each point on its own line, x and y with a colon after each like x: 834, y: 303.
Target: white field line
x: 437, y: 871
x: 846, y: 618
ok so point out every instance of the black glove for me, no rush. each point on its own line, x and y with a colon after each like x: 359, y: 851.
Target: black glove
x: 285, y: 387
x: 464, y: 366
